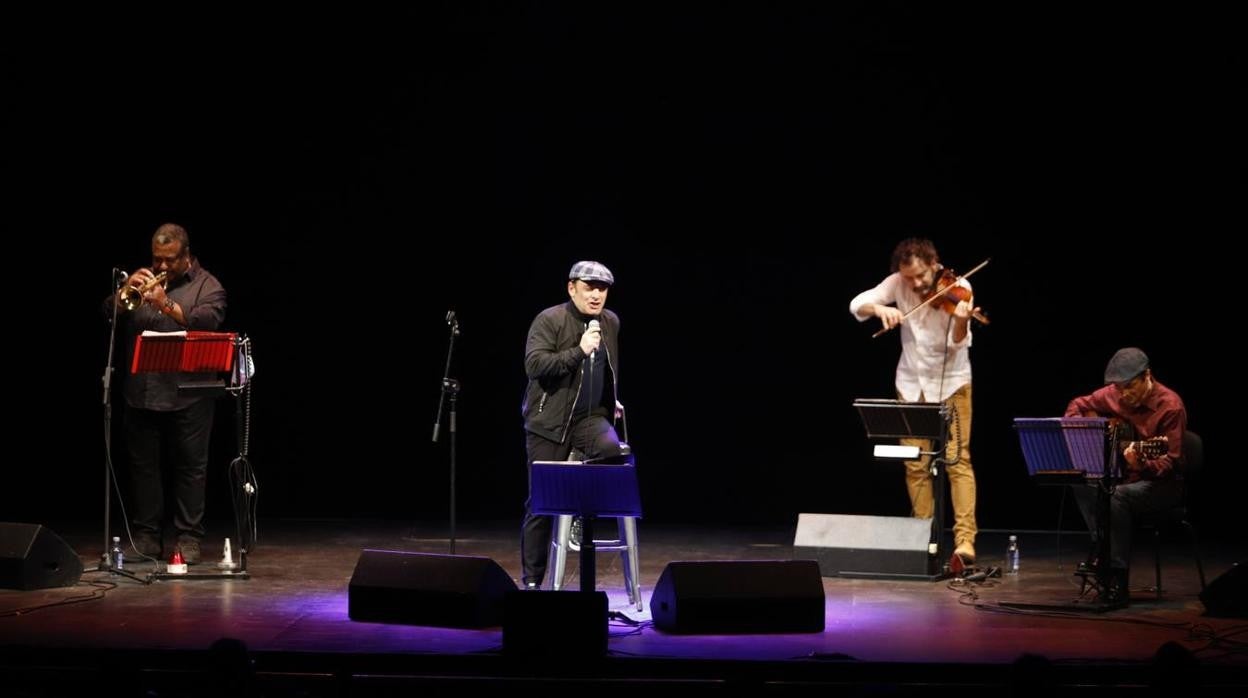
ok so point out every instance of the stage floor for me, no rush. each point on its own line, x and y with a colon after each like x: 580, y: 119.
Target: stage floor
x: 292, y: 616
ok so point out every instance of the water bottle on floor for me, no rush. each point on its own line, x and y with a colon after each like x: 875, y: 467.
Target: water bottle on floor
x: 1011, y: 556
x: 116, y: 555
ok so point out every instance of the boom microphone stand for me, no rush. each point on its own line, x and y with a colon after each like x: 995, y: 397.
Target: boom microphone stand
x: 450, y: 388
x: 107, y: 563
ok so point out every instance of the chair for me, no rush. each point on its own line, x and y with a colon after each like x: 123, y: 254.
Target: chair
x: 1156, y: 522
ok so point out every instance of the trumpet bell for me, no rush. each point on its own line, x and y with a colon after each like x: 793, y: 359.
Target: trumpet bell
x: 131, y: 297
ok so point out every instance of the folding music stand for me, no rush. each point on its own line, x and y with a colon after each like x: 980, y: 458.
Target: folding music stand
x: 1063, y: 450
x: 586, y: 490
x: 895, y: 419
x: 1073, y: 451
x: 200, y: 352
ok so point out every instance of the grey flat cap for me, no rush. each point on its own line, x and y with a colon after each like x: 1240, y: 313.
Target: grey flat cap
x: 591, y: 271
x: 1126, y: 364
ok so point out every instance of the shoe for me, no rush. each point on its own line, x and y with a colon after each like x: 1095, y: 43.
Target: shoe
x: 531, y: 586
x: 189, y: 545
x: 146, y: 545
x: 1116, y: 593
x: 966, y: 551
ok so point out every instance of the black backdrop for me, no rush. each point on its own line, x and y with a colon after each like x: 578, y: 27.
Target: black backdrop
x: 744, y: 171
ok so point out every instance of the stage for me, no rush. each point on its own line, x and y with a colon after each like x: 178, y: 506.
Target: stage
x: 903, y: 635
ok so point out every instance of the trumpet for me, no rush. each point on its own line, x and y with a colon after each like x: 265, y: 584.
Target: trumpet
x: 132, y: 296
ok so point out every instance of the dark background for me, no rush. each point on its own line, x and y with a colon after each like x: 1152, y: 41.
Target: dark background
x: 744, y: 170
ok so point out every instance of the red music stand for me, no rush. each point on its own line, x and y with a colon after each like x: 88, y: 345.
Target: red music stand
x: 192, y: 351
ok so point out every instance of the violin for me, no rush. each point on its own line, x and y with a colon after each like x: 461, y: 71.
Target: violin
x: 948, y: 294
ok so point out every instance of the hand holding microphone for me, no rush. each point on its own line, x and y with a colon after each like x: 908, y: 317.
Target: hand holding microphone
x: 591, y: 339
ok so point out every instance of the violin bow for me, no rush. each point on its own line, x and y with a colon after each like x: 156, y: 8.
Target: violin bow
x: 934, y: 296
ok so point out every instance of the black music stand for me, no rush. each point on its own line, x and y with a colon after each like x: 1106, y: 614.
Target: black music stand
x: 895, y: 419
x: 587, y: 490
x: 1073, y: 451
x: 229, y: 356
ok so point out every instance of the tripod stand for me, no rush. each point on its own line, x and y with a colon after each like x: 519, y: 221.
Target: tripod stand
x: 450, y: 388
x: 111, y: 562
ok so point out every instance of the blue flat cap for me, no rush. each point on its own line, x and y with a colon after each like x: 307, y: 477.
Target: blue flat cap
x: 1126, y: 364
x: 591, y: 271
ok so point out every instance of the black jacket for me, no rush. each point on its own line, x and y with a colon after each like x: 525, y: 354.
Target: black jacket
x: 554, y: 363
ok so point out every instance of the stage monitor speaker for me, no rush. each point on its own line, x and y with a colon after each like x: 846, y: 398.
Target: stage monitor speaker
x: 454, y: 591
x: 739, y: 596
x: 1227, y: 595
x: 555, y: 624
x: 33, y: 557
x: 866, y: 546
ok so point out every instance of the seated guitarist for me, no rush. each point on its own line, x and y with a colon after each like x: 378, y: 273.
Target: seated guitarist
x: 1151, y: 481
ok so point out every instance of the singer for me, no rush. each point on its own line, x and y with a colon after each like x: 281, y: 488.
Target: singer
x: 935, y: 365
x: 159, y: 421
x: 572, y: 362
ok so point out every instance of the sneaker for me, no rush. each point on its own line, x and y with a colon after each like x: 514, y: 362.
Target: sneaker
x: 189, y: 546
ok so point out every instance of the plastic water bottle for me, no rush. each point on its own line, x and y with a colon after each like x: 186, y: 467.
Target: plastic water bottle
x: 117, y: 557
x: 1011, y: 556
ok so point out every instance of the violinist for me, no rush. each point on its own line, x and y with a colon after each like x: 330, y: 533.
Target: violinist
x: 935, y: 366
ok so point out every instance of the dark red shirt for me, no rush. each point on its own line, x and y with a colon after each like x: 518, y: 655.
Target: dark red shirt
x: 1160, y: 413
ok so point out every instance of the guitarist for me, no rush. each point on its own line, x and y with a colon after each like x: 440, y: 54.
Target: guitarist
x: 1151, y: 481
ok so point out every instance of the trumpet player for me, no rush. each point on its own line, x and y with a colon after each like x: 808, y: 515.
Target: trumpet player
x: 160, y: 423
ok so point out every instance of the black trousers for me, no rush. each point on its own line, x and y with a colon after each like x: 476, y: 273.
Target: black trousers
x: 1127, y: 501
x: 182, y: 437
x: 596, y: 438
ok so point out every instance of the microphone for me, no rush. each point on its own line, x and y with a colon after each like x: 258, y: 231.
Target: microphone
x: 593, y: 325
x: 119, y: 277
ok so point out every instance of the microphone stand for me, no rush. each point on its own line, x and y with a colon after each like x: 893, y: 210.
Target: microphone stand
x: 450, y: 388
x: 107, y: 563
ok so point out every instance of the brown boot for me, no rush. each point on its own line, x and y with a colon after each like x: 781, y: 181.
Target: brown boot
x: 965, y: 550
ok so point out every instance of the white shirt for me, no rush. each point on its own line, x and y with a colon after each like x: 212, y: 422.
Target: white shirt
x: 931, y: 363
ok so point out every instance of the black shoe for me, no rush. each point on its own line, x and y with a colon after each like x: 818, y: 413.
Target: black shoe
x: 531, y: 586
x: 1116, y: 593
x: 189, y: 545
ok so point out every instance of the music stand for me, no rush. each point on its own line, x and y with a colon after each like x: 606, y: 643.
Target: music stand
x: 1073, y: 451
x: 587, y: 490
x: 223, y: 353
x: 895, y: 419
x: 1063, y: 450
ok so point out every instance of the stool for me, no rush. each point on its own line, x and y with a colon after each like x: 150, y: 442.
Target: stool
x: 625, y: 545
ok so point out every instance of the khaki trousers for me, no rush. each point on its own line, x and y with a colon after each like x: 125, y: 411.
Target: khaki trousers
x: 961, y: 476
